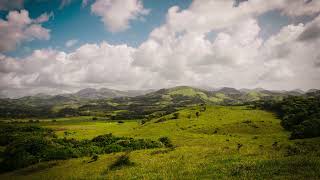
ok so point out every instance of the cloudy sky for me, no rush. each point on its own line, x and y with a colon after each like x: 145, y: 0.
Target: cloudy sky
x: 58, y: 46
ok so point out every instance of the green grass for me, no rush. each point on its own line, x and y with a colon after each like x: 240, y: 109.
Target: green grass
x: 89, y: 129
x: 206, y: 148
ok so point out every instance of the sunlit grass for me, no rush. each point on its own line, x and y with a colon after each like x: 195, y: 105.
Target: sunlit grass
x: 207, y: 147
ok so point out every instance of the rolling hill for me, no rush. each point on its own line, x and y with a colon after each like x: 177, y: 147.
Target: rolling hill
x: 231, y: 142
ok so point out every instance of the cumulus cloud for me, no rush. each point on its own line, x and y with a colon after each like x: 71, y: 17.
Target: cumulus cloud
x: 117, y: 14
x: 221, y: 47
x: 98, y: 65
x: 290, y: 57
x: 19, y: 27
x: 71, y: 42
x: 179, y: 51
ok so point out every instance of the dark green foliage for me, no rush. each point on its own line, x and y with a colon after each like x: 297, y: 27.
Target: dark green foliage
x: 143, y: 121
x: 95, y: 157
x: 307, y: 129
x: 239, y: 146
x: 203, y: 108
x: 94, y: 118
x: 176, y: 116
x: 12, y: 133
x: 300, y: 115
x: 166, y: 142
x: 67, y: 112
x: 26, y: 145
x: 161, y: 120
x: 123, y: 160
x: 197, y: 114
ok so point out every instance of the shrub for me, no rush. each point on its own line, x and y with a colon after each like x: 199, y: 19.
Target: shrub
x: 95, y: 157
x: 307, y: 129
x: 197, y: 114
x: 94, y: 118
x: 143, y: 121
x: 123, y: 160
x: 298, y: 114
x: 166, y: 142
x: 176, y: 116
x: 203, y: 108
x: 27, y: 145
x: 161, y: 120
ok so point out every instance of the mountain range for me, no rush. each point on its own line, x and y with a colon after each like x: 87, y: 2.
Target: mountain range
x: 226, y: 92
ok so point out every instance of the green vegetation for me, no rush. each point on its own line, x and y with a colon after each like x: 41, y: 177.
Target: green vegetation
x: 299, y: 114
x: 224, y: 142
x: 119, y: 106
x: 177, y: 133
x: 27, y: 145
x: 123, y: 160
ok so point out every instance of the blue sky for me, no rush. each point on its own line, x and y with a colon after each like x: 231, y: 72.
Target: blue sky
x: 150, y: 44
x: 74, y: 21
x: 77, y: 22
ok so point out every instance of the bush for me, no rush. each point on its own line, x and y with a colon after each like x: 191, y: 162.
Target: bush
x: 166, y: 142
x: 94, y: 118
x: 298, y: 114
x: 239, y: 146
x: 123, y: 160
x: 161, y: 120
x: 203, y: 108
x: 143, y: 121
x: 27, y: 145
x: 95, y: 157
x: 307, y: 129
x: 176, y: 116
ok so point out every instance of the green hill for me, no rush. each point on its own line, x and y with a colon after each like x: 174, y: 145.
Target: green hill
x: 221, y: 143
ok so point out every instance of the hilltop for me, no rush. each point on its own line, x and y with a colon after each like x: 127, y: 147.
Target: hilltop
x: 116, y: 104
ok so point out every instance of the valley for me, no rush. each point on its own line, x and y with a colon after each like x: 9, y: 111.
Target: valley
x: 228, y: 142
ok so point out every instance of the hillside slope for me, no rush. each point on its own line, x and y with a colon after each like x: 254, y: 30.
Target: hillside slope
x: 222, y: 143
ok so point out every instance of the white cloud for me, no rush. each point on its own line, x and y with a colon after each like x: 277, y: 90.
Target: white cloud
x: 19, y: 28
x: 290, y: 59
x: 179, y: 51
x: 182, y: 53
x: 43, y: 17
x: 71, y: 42
x: 98, y: 65
x: 117, y: 14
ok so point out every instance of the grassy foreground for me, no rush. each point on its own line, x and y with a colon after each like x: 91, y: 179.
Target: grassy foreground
x: 222, y: 143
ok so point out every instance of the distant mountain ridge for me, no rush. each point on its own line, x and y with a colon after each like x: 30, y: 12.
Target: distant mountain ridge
x: 87, y: 94
x: 105, y: 93
x: 133, y: 104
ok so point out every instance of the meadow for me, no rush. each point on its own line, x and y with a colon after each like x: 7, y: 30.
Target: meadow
x: 222, y: 142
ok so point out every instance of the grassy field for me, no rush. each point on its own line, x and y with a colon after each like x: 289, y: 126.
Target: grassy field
x: 222, y: 143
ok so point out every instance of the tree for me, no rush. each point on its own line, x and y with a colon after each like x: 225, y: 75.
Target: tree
x: 197, y: 114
